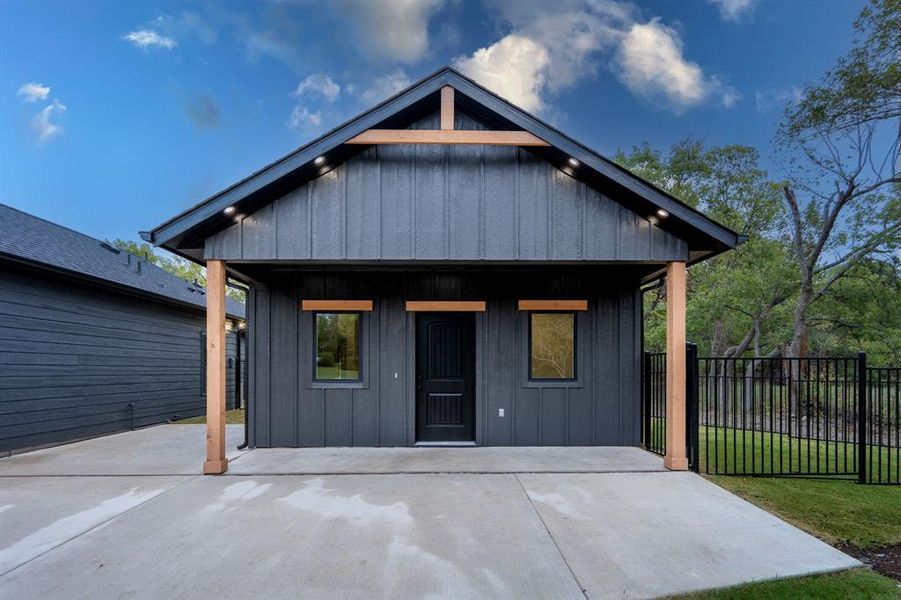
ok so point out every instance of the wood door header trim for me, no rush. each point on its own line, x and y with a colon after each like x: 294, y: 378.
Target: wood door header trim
x: 337, y: 305
x: 446, y: 306
x: 562, y: 305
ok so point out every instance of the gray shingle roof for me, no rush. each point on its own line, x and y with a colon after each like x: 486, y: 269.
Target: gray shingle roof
x: 26, y: 237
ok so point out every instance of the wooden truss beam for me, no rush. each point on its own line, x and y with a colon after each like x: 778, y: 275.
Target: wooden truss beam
x: 446, y: 136
x: 447, y: 107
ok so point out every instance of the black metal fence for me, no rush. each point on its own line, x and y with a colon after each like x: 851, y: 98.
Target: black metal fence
x: 881, y: 427
x: 653, y: 431
x: 814, y: 417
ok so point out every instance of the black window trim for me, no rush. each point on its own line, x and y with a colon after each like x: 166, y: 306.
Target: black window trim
x: 338, y: 382
x: 575, y: 347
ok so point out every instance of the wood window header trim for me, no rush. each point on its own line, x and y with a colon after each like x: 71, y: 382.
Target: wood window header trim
x: 446, y: 306
x: 337, y: 305
x: 553, y: 305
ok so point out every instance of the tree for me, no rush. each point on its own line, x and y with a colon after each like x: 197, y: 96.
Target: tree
x: 733, y: 294
x: 841, y: 141
x: 176, y: 265
x: 865, y: 85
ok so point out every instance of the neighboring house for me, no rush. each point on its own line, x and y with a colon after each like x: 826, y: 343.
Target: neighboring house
x: 446, y: 269
x: 94, y: 339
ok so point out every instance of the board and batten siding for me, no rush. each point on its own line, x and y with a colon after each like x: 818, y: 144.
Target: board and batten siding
x: 290, y: 409
x: 452, y: 203
x: 73, y: 358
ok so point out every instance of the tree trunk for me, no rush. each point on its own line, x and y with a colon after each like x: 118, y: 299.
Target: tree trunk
x: 798, y: 347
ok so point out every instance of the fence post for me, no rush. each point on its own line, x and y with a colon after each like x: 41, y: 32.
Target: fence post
x: 691, y: 405
x: 646, y: 400
x: 862, y: 417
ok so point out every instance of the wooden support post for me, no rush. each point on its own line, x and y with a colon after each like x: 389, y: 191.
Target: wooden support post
x: 676, y: 457
x: 216, y: 462
x: 447, y: 107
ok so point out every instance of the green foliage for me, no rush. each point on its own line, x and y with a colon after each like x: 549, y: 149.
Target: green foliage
x: 819, y: 271
x: 727, y: 292
x: 180, y: 267
x: 865, y: 85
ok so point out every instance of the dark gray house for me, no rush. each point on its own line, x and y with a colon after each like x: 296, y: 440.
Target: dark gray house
x: 445, y: 269
x: 93, y: 339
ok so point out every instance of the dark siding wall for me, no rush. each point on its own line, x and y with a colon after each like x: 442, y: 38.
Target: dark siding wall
x: 73, y: 358
x: 289, y: 409
x: 420, y: 202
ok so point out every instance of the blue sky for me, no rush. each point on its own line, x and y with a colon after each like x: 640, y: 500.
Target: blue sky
x: 138, y: 110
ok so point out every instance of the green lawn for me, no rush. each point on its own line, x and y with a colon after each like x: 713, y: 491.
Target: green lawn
x: 724, y: 450
x: 232, y: 417
x: 836, y: 511
x: 847, y: 585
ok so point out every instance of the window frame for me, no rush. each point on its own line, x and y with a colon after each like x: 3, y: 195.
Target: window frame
x: 575, y: 349
x: 356, y: 382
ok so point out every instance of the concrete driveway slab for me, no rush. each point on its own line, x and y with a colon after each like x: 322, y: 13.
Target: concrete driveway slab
x: 38, y: 514
x: 159, y: 450
x: 654, y: 534
x: 373, y: 536
x: 327, y: 461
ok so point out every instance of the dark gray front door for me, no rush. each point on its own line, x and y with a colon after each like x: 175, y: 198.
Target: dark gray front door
x: 445, y: 377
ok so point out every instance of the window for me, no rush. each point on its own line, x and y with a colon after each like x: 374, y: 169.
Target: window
x: 552, y: 346
x: 337, y: 346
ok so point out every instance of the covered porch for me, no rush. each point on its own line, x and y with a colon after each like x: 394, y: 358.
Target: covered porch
x: 598, y: 407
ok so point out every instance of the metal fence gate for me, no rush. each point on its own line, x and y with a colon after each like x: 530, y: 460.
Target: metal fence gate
x: 813, y: 417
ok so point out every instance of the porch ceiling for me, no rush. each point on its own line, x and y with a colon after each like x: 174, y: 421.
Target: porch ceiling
x: 638, y: 272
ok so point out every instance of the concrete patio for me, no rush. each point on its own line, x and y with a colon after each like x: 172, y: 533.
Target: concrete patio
x: 110, y: 517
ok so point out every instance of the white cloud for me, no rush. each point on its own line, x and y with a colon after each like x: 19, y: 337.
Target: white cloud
x: 318, y: 85
x: 392, y: 30
x: 147, y: 38
x: 651, y: 63
x: 514, y: 68
x: 385, y: 86
x: 573, y: 32
x: 32, y: 92
x: 42, y: 124
x: 730, y: 97
x: 554, y: 47
x: 186, y: 24
x: 777, y: 98
x: 302, y: 117
x: 733, y: 10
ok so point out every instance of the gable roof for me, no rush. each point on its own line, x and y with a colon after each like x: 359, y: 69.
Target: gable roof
x: 35, y: 241
x: 184, y: 233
